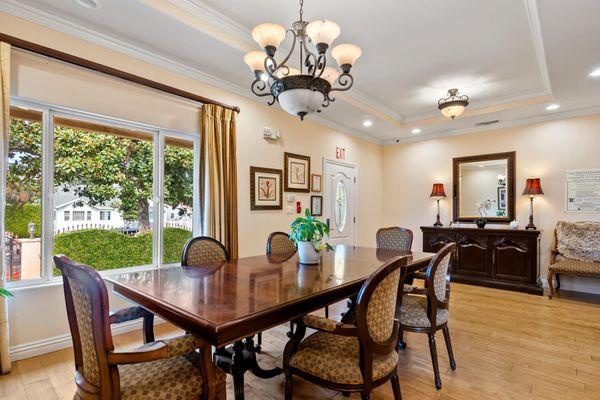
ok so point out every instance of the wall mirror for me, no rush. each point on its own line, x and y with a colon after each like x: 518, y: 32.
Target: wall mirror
x: 484, y: 187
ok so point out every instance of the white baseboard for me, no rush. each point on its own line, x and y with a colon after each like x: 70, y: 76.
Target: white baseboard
x: 567, y: 283
x: 48, y: 345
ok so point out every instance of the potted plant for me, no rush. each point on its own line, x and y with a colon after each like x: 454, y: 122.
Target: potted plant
x: 5, y: 293
x: 307, y: 232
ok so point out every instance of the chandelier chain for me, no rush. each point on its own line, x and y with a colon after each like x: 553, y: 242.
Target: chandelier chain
x: 301, y: 9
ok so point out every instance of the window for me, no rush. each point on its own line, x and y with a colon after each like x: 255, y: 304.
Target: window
x: 78, y: 215
x: 126, y: 169
x: 23, y: 212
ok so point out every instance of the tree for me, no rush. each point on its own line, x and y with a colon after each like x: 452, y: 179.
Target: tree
x: 101, y: 168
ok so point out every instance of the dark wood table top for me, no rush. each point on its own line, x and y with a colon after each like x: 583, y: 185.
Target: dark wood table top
x: 224, y: 302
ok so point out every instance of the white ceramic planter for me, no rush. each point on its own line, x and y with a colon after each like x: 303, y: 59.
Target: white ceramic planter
x: 307, y: 253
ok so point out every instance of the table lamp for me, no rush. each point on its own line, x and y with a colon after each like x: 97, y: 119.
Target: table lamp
x: 533, y: 187
x: 437, y: 193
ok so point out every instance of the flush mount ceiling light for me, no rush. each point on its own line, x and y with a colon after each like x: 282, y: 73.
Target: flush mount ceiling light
x: 308, y: 89
x: 415, y: 131
x: 88, y: 3
x: 595, y: 73
x: 367, y: 123
x: 453, y: 105
x: 552, y: 107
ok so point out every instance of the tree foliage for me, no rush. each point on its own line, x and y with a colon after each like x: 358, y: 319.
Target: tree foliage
x: 98, y: 167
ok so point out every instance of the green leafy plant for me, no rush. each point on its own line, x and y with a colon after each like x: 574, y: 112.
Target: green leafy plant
x: 5, y: 293
x: 309, y: 229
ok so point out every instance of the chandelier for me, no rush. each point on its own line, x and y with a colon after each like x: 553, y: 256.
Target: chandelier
x: 453, y: 105
x: 307, y: 89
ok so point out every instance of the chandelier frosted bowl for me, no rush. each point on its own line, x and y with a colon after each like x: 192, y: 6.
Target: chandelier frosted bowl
x: 305, y: 90
x: 453, y: 105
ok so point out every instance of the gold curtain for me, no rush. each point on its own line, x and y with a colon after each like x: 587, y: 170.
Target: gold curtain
x: 218, y: 176
x: 4, y: 124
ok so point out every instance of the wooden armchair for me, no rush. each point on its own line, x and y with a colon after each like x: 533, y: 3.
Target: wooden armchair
x: 399, y: 239
x: 347, y: 357
x: 179, y: 368
x: 426, y: 310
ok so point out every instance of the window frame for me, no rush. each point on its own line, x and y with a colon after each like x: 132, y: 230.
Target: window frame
x: 158, y: 136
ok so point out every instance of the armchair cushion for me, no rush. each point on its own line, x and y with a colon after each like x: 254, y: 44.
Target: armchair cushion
x: 182, y: 345
x: 336, y: 358
x: 174, y: 378
x: 578, y: 240
x: 576, y: 267
x: 414, y: 312
x: 128, y: 314
x: 321, y: 323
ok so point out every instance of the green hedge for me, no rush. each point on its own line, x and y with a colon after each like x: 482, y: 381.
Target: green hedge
x: 105, y: 250
x: 18, y: 216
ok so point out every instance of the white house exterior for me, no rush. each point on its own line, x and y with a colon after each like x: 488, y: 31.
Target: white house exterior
x: 71, y: 214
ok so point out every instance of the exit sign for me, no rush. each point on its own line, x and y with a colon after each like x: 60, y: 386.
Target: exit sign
x: 340, y: 152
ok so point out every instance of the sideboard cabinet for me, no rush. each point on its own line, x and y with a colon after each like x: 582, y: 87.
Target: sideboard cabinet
x: 500, y: 258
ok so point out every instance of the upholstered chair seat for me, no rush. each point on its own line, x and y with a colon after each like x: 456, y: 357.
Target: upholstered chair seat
x: 336, y: 359
x: 576, y: 267
x: 357, y: 354
x: 414, y: 312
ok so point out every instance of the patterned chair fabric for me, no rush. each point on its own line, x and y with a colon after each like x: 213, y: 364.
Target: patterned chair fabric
x: 394, y: 238
x: 336, y: 358
x: 382, y: 308
x: 440, y: 279
x: 578, y: 240
x: 202, y: 250
x: 82, y: 303
x: 128, y: 314
x: 280, y: 243
x: 414, y: 312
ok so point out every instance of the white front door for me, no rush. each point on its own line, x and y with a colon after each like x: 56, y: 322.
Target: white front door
x: 339, y: 207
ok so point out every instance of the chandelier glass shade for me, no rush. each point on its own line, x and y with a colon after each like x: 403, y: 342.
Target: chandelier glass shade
x: 453, y: 105
x: 308, y: 88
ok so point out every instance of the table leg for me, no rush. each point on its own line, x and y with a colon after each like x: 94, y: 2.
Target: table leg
x: 238, y: 370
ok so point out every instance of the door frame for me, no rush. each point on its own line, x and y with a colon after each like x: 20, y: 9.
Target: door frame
x: 326, y: 193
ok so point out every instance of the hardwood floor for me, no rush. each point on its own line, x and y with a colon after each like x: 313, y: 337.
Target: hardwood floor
x: 507, y: 345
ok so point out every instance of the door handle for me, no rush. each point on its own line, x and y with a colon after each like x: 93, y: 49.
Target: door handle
x: 328, y: 223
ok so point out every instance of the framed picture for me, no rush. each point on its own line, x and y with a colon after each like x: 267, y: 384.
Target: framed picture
x: 502, y: 198
x: 315, y: 184
x: 316, y: 205
x: 265, y: 189
x: 296, y: 173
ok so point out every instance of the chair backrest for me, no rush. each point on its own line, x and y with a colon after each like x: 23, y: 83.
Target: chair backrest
x: 376, y: 313
x: 202, y: 250
x: 438, y: 276
x: 280, y: 243
x: 86, y: 299
x: 394, y: 238
x: 578, y: 240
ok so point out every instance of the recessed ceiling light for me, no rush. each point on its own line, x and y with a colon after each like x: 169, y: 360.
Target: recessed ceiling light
x: 88, y: 3
x: 595, y: 73
x: 367, y: 123
x: 416, y: 130
x: 552, y: 107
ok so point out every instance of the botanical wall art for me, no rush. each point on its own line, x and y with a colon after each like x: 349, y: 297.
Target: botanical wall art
x: 296, y: 173
x: 265, y: 189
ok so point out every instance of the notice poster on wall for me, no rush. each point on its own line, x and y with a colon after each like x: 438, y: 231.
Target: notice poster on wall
x: 583, y: 190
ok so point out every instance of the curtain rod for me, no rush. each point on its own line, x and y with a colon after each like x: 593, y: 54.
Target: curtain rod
x: 82, y: 62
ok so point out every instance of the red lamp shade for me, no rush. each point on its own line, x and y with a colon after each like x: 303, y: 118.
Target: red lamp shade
x: 438, y: 191
x: 533, y: 187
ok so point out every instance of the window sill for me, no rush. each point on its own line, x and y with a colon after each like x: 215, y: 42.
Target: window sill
x: 19, y: 286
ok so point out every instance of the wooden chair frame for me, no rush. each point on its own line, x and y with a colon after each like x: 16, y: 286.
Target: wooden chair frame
x: 108, y: 358
x: 360, y: 330
x: 433, y: 304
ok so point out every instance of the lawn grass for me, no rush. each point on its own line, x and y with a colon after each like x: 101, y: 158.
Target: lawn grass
x: 106, y: 250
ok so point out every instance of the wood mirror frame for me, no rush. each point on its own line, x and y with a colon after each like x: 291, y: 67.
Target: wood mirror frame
x: 510, y: 185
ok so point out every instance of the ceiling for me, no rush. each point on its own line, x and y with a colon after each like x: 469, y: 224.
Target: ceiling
x: 511, y: 57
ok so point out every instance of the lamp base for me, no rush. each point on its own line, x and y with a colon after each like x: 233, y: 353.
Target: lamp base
x: 531, y: 227
x: 438, y: 222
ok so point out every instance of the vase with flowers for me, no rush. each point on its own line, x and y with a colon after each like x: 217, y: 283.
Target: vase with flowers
x: 483, y: 207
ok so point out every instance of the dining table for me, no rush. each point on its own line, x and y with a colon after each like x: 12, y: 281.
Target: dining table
x: 227, y: 303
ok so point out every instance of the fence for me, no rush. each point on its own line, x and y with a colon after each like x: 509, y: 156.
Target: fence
x: 12, y: 257
x: 187, y: 225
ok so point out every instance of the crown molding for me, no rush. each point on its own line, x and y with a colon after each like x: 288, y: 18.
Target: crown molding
x: 535, y: 27
x: 503, y: 124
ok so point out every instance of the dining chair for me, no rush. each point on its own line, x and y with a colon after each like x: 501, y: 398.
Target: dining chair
x: 399, y: 239
x: 202, y: 250
x: 352, y: 357
x: 178, y: 368
x: 425, y: 310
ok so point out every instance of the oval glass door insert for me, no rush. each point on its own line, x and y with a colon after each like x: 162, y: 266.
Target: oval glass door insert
x: 341, y: 206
